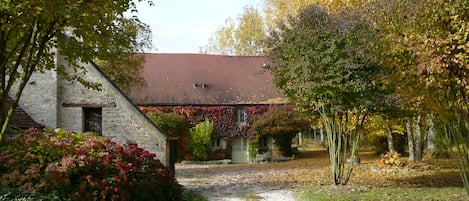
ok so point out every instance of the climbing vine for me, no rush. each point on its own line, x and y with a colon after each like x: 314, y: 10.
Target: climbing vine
x: 223, y: 117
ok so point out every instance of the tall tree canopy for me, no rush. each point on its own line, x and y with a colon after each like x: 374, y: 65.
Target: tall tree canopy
x: 241, y: 37
x: 245, y: 35
x: 429, y: 54
x: 31, y: 31
x: 325, y: 63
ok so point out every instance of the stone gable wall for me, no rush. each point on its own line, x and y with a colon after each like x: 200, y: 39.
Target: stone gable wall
x: 57, y: 103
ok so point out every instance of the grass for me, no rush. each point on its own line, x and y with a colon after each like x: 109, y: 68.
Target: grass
x: 188, y: 195
x: 317, y: 192
x: 251, y: 197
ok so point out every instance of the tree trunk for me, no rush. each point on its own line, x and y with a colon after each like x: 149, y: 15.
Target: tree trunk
x: 410, y: 140
x: 390, y: 138
x: 415, y: 139
x: 418, y: 139
x: 300, y: 141
x: 431, y: 134
x: 321, y: 133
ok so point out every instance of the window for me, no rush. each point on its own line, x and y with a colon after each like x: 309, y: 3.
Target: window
x: 218, y: 144
x: 92, y: 120
x: 263, y: 142
x: 240, y: 117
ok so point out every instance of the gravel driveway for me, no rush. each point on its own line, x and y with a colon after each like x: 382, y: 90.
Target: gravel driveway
x: 261, y: 181
x: 229, y: 183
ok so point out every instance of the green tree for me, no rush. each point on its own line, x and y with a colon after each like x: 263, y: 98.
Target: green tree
x: 325, y: 63
x: 282, y: 124
x: 200, y: 139
x: 32, y: 31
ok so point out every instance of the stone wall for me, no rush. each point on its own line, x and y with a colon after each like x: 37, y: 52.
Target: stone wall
x: 58, y: 103
x: 39, y: 98
x: 121, y: 120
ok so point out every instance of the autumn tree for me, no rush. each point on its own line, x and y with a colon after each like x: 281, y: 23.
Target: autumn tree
x: 245, y: 35
x: 241, y: 37
x: 32, y: 31
x: 279, y: 11
x: 324, y: 63
x: 282, y: 123
x: 430, y: 40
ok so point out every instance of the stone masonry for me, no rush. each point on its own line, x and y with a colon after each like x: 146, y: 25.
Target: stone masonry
x: 58, y: 103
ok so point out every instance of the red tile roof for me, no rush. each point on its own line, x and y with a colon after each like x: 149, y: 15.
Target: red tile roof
x: 187, y: 79
x: 20, y: 118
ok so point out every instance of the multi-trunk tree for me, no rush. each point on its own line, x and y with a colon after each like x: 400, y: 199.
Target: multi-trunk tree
x: 32, y: 32
x: 324, y: 63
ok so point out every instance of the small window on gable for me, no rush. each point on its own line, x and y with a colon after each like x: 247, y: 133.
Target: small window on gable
x: 92, y: 120
x: 240, y: 117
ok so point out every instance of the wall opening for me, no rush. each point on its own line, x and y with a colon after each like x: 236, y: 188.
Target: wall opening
x: 92, y: 120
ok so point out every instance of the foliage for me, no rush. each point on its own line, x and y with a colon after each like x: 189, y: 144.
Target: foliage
x: 245, y: 35
x: 200, y: 139
x: 223, y: 118
x: 391, y: 158
x: 380, y: 142
x: 125, y: 72
x: 175, y: 126
x: 188, y: 195
x: 279, y: 11
x: 282, y: 124
x: 325, y: 63
x: 32, y: 33
x: 253, y: 148
x: 84, y: 167
x: 443, y: 145
x: 242, y: 37
x: 172, y: 124
x: 21, y: 194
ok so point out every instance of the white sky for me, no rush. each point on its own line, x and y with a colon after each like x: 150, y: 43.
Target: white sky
x: 182, y: 26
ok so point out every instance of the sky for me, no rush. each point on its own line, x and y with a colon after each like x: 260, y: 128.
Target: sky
x: 183, y: 26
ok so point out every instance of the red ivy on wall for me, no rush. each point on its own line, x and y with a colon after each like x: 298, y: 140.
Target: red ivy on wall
x: 223, y: 117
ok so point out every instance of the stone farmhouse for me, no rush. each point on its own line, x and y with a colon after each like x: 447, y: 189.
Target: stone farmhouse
x: 57, y: 103
x: 233, y: 87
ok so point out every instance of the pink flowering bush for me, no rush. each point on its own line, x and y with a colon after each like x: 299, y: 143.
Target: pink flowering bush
x: 84, y: 167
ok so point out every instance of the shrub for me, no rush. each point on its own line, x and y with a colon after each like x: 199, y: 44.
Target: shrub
x: 443, y: 145
x: 282, y: 124
x: 200, y: 139
x: 84, y: 167
x: 21, y: 194
x: 175, y: 126
x: 191, y: 196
